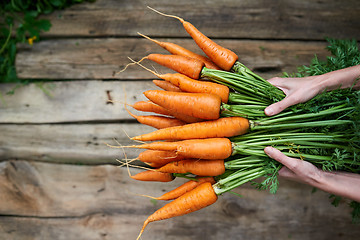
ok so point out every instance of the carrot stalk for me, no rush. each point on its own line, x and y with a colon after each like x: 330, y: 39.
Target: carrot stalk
x: 197, y: 167
x: 222, y: 127
x: 168, y: 86
x: 178, y: 50
x: 198, y: 198
x: 221, y: 56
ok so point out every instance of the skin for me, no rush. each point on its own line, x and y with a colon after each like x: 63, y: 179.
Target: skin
x: 300, y: 90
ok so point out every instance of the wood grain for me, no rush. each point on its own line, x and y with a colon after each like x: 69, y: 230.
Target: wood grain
x: 58, y: 201
x: 103, y: 58
x: 248, y: 19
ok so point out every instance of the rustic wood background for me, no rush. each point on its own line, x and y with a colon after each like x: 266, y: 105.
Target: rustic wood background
x: 59, y: 179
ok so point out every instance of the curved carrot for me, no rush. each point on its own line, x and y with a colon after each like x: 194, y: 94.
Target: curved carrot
x: 199, y: 105
x: 148, y: 106
x: 184, y: 188
x: 157, y: 156
x: 158, y: 122
x: 197, y: 167
x: 190, y: 67
x: 187, y: 84
x: 198, y: 198
x: 168, y: 86
x: 222, y: 127
x: 178, y: 50
x: 150, y: 175
x: 221, y: 56
x: 209, y: 148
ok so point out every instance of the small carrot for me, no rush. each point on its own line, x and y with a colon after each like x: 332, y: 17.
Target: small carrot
x: 221, y: 56
x: 190, y: 67
x: 222, y: 127
x: 190, y: 85
x: 178, y: 50
x: 184, y: 188
x: 148, y: 106
x: 198, y: 198
x: 207, y: 105
x: 168, y: 86
x: 197, y: 167
x: 209, y: 148
x: 157, y: 156
x: 151, y: 175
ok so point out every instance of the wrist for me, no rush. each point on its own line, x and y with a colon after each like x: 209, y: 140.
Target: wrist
x: 343, y: 78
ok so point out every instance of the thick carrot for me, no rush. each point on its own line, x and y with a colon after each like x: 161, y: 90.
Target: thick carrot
x: 158, y: 122
x: 184, y: 188
x: 187, y: 84
x: 221, y: 56
x: 190, y: 67
x: 151, y: 175
x: 198, y: 198
x: 168, y: 86
x: 199, y: 105
x: 222, y: 127
x: 148, y: 106
x: 197, y: 167
x: 178, y: 50
x: 157, y: 156
x: 209, y: 148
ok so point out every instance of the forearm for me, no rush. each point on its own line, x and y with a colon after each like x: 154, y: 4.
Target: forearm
x: 343, y: 78
x: 340, y: 183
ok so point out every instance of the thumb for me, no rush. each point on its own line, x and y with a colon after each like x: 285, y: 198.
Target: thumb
x: 278, y: 107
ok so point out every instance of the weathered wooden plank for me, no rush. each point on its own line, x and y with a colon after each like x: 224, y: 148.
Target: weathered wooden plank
x: 52, y: 201
x: 69, y: 143
x: 71, y: 101
x: 101, y: 58
x: 259, y: 19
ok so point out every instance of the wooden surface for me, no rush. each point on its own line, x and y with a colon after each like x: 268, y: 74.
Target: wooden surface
x: 60, y: 180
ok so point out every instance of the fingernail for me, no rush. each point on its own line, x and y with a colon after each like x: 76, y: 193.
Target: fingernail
x: 268, y: 150
x: 269, y: 111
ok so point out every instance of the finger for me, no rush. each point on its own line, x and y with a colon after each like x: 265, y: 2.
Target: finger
x: 278, y: 107
x: 290, y: 163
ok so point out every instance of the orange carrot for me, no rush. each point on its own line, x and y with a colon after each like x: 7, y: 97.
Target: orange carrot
x: 209, y: 148
x: 197, y: 167
x: 199, y: 105
x: 222, y: 127
x: 198, y: 198
x: 184, y: 188
x: 178, y: 50
x: 221, y: 56
x: 151, y: 175
x: 187, y: 84
x: 157, y: 156
x: 168, y: 86
x: 190, y: 67
x: 148, y: 106
x: 158, y: 122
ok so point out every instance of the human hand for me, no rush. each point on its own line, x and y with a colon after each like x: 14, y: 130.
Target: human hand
x: 295, y: 169
x: 297, y: 90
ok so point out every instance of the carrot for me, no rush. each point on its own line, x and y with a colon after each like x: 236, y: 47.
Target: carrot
x: 184, y: 188
x: 148, y: 106
x: 221, y: 56
x: 151, y: 175
x: 199, y: 105
x: 198, y: 198
x: 222, y: 127
x: 209, y: 148
x: 190, y: 85
x: 190, y: 67
x: 168, y: 86
x: 197, y: 167
x: 157, y: 156
x: 178, y: 50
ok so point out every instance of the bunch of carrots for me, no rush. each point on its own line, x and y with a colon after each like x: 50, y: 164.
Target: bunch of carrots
x: 211, y: 127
